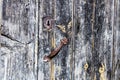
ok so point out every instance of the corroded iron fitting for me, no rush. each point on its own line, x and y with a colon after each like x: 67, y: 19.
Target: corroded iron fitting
x: 53, y: 53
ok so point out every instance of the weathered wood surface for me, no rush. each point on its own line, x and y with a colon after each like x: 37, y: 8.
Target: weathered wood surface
x: 93, y: 51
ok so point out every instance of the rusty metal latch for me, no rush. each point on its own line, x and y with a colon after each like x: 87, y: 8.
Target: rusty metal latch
x: 48, y: 24
x: 53, y: 53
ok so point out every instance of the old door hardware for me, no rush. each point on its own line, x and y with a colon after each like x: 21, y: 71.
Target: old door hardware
x: 62, y: 27
x: 101, y: 71
x: 48, y: 23
x: 86, y: 66
x: 53, y: 53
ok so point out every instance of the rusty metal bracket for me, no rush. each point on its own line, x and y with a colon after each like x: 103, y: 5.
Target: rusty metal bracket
x: 53, y: 53
x: 48, y: 25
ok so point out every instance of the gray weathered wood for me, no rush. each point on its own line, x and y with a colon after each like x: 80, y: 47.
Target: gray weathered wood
x: 93, y: 51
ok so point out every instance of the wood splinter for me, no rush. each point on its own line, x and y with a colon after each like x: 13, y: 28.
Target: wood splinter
x: 53, y: 53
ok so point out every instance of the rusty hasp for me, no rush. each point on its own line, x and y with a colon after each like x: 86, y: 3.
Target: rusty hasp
x: 53, y: 53
x: 48, y: 22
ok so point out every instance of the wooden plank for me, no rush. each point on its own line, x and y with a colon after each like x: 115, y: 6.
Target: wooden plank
x: 36, y: 51
x: 110, y: 33
x: 19, y: 20
x: 60, y: 11
x: 17, y: 40
x: 84, y: 38
x: 44, y: 69
x: 0, y: 14
x: 116, y: 37
x: 62, y: 60
x: 92, y: 26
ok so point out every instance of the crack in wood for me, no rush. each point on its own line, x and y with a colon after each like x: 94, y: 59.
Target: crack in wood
x: 9, y: 37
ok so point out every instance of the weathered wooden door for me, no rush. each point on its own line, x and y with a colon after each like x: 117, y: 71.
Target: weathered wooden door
x: 92, y: 28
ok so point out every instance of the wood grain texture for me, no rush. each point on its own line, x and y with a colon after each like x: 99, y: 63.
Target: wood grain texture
x: 92, y: 27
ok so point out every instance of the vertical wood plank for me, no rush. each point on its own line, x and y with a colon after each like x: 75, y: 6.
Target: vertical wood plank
x: 1, y: 1
x: 36, y: 51
x: 116, y: 57
x: 84, y: 42
x: 17, y: 40
x: 44, y: 69
x: 97, y: 33
x: 109, y: 56
x: 62, y: 60
x: 117, y: 43
x: 91, y: 54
